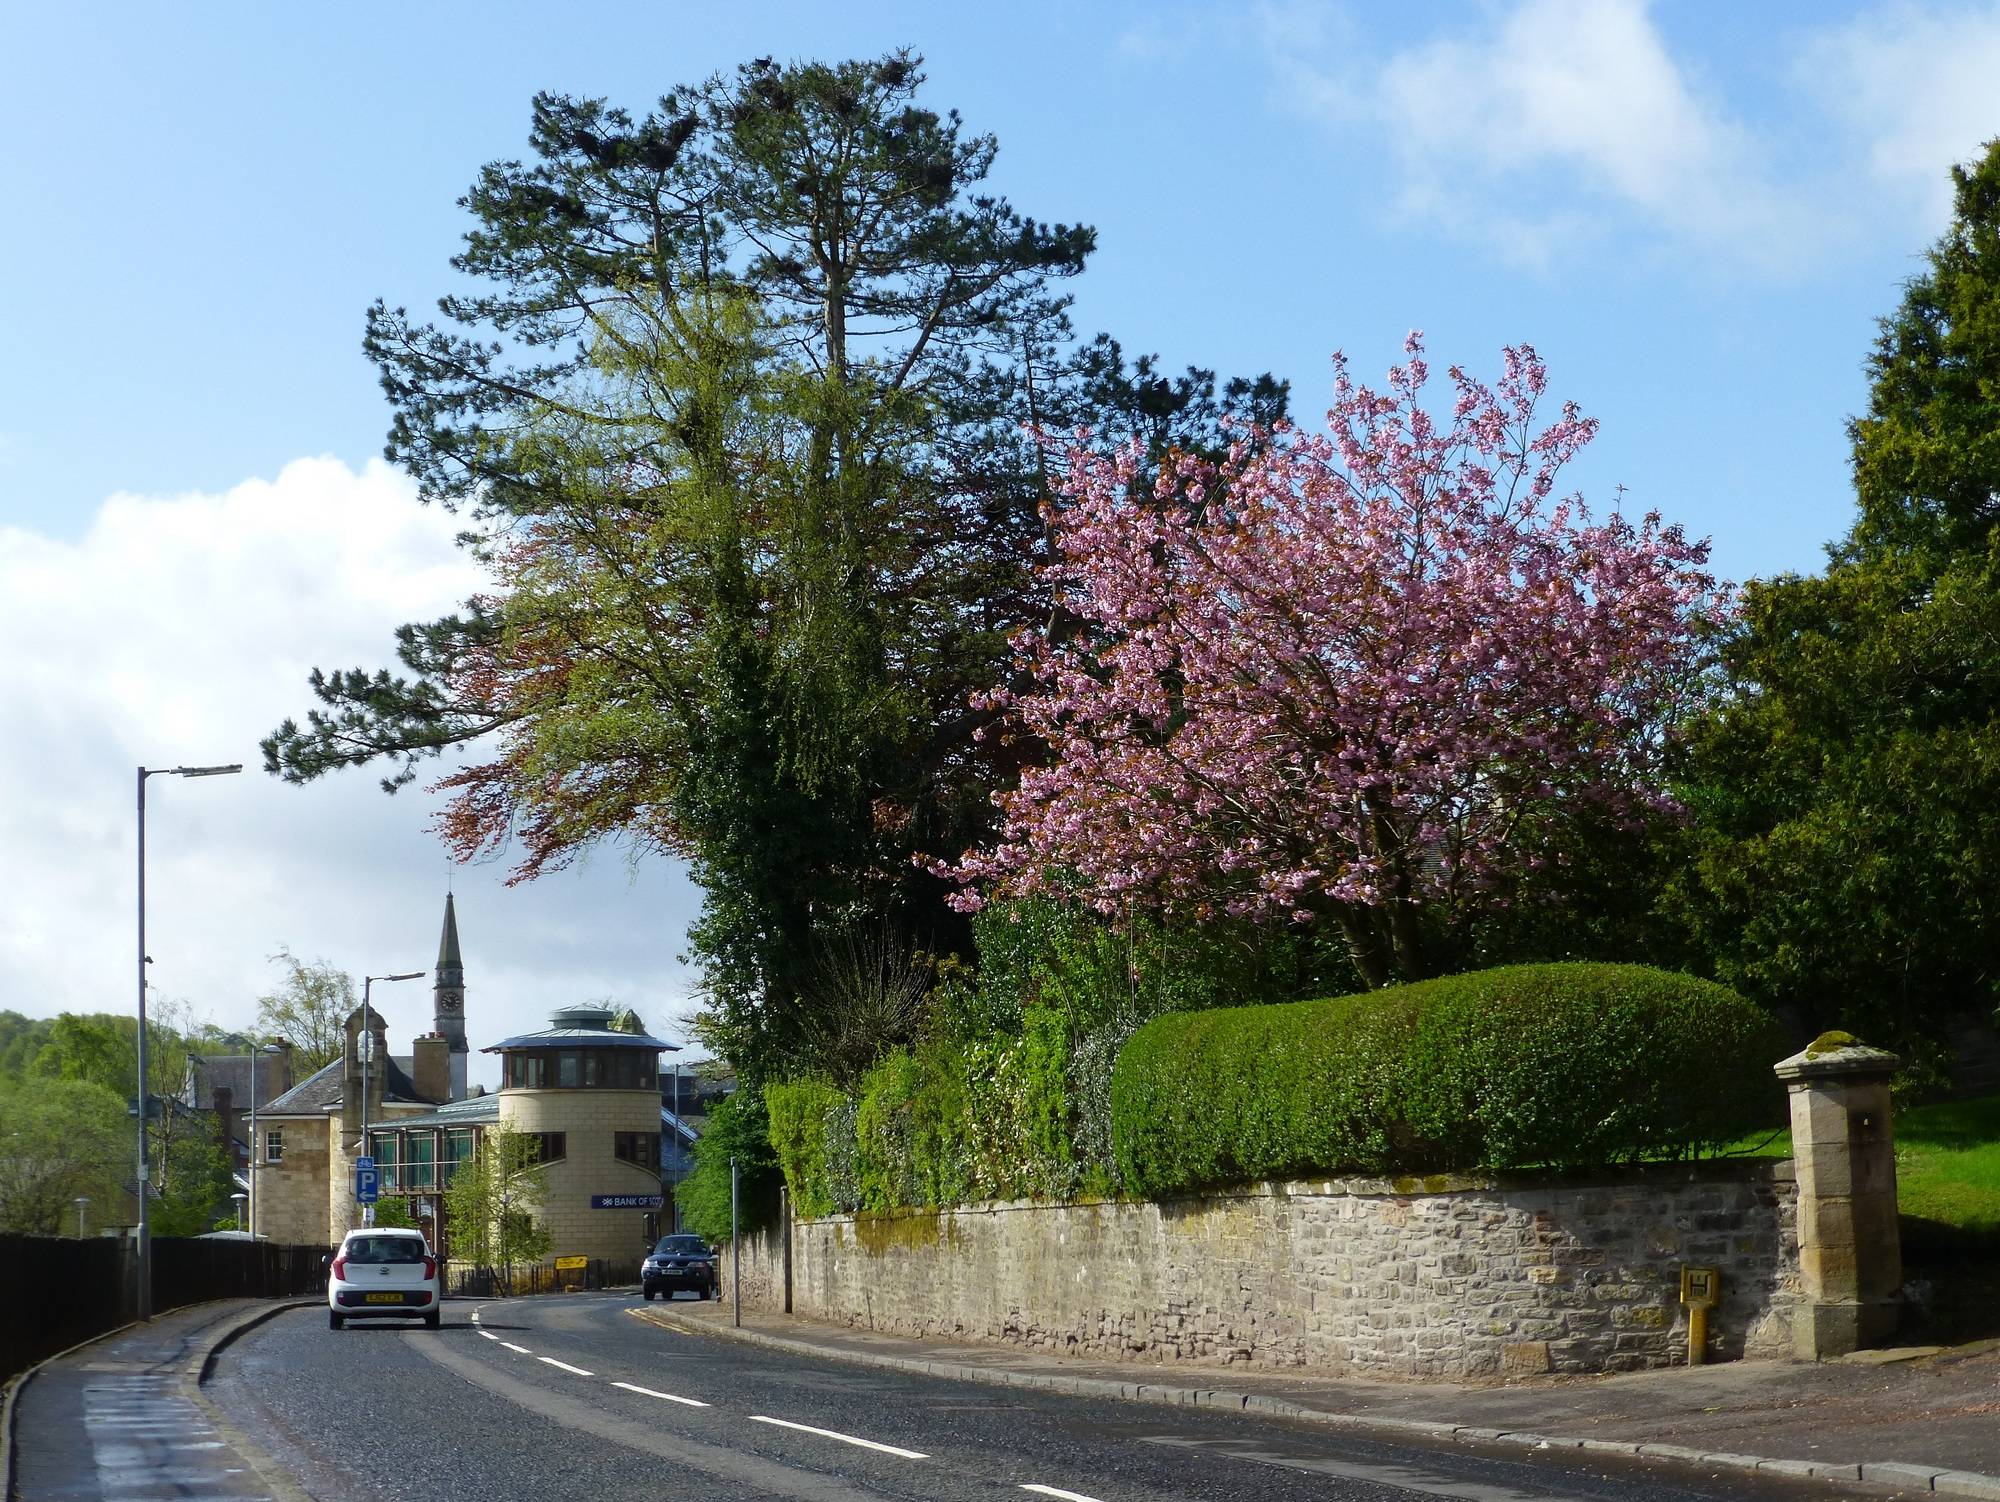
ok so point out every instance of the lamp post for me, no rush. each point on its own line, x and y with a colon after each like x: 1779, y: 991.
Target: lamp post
x: 253, y: 1048
x: 239, y: 1197
x: 81, y: 1201
x: 142, y: 1301
x: 366, y: 1042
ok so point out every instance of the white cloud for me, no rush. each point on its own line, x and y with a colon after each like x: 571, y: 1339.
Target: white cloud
x: 1544, y: 127
x: 1915, y: 88
x: 180, y: 630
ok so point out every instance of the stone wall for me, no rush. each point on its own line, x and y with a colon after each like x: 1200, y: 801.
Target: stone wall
x: 1443, y: 1277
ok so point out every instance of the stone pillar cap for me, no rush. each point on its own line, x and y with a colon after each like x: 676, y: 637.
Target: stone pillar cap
x: 1837, y: 1054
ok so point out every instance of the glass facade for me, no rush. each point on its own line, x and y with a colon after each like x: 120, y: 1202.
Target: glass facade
x: 582, y: 1069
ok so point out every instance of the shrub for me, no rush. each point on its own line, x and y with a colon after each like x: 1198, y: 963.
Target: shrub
x: 799, y: 1112
x: 947, y: 1123
x: 738, y: 1128
x: 1564, y: 1066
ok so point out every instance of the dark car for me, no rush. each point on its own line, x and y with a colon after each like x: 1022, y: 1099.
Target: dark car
x: 678, y: 1262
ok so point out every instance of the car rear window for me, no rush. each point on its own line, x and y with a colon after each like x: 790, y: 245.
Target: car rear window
x: 373, y: 1249
x: 680, y: 1246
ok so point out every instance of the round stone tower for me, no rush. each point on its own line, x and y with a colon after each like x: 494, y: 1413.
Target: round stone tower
x: 591, y: 1096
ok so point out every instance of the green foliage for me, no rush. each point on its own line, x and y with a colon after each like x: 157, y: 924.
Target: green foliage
x: 742, y: 384
x: 309, y: 1010
x: 738, y: 1127
x: 798, y: 1111
x: 1042, y: 952
x: 1927, y: 451
x: 946, y: 1123
x: 194, y: 1186
x: 60, y: 1139
x: 1848, y: 799
x: 392, y: 1211
x: 491, y: 1206
x: 1568, y: 1065
x: 21, y: 1039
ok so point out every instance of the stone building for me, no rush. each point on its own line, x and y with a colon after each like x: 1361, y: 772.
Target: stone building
x: 588, y: 1095
x: 309, y: 1137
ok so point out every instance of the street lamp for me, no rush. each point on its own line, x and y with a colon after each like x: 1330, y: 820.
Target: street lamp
x: 367, y: 1045
x: 143, y: 1261
x: 81, y: 1201
x: 239, y: 1197
x: 253, y: 1048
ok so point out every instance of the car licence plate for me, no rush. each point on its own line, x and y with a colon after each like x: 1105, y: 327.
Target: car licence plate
x: 385, y: 1298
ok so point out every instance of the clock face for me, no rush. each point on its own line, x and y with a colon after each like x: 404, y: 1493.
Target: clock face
x: 450, y: 1004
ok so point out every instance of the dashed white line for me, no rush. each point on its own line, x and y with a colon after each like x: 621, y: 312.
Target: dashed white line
x: 845, y: 1439
x: 489, y: 1334
x: 579, y: 1371
x: 1055, y: 1491
x: 667, y: 1396
x: 512, y: 1347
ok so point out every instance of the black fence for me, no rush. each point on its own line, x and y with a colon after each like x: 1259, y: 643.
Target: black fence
x: 65, y: 1290
x: 490, y: 1282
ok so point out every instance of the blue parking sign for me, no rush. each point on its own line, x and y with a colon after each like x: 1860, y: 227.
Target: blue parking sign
x: 367, y: 1183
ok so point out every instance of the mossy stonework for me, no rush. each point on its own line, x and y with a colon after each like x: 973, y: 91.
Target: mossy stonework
x: 1456, y: 1277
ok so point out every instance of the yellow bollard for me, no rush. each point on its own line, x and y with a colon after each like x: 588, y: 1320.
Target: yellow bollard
x: 1701, y: 1287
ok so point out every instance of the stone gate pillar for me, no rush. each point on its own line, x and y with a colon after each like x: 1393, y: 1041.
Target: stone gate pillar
x: 1850, y: 1253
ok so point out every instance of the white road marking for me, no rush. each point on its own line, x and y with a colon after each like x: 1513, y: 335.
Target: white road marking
x: 566, y: 1366
x: 1055, y: 1491
x: 669, y: 1397
x: 489, y: 1334
x: 475, y: 1316
x: 1409, y: 1478
x: 512, y: 1347
x: 845, y: 1439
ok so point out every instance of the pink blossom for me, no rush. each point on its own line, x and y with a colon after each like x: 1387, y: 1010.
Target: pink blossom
x: 1380, y: 665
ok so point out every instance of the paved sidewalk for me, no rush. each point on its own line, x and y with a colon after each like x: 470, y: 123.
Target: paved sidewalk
x: 117, y: 1420
x: 1923, y: 1425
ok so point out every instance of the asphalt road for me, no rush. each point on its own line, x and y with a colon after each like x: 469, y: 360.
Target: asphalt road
x: 570, y: 1397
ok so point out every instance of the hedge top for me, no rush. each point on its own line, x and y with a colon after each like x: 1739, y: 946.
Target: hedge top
x: 1529, y: 1066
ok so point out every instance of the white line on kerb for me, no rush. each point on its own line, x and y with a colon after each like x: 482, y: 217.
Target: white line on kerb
x: 512, y: 1347
x: 1055, y: 1491
x: 579, y: 1371
x: 489, y: 1334
x: 845, y: 1439
x: 667, y: 1396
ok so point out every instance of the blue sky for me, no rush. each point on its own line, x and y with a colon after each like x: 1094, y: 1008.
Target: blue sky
x: 1694, y: 211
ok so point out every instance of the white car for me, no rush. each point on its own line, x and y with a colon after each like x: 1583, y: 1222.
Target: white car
x: 383, y: 1274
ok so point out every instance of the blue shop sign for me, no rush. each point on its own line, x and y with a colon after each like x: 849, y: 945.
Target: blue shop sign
x: 626, y: 1201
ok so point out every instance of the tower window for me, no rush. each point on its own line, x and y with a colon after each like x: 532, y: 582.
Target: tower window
x: 642, y: 1148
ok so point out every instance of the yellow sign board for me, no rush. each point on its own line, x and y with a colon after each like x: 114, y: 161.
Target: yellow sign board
x: 572, y: 1264
x: 1701, y: 1287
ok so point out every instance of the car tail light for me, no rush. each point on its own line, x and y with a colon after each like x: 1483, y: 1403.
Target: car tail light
x: 340, y: 1267
x: 430, y: 1268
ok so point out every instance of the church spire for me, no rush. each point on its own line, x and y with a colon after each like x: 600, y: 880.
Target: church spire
x: 449, y: 994
x: 451, y: 966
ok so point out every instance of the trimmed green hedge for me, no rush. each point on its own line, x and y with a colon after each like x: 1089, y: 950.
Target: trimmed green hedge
x: 1569, y: 1065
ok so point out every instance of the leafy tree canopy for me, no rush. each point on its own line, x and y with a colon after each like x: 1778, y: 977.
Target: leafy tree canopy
x: 1849, y: 796
x: 1370, y: 679
x: 738, y: 400
x: 62, y: 1139
x: 308, y: 1009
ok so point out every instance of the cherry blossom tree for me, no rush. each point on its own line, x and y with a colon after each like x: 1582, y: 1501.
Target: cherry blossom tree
x: 1366, y: 678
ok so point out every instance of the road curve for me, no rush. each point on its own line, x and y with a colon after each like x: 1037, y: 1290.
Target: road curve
x: 569, y: 1396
